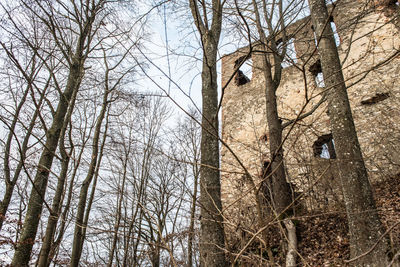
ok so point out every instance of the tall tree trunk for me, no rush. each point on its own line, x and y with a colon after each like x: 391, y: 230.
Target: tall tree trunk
x: 280, y: 189
x: 26, y: 241
x: 61, y: 230
x: 212, y: 231
x: 7, y: 172
x: 365, y: 227
x: 212, y: 240
x: 44, y: 259
x: 10, y: 184
x: 281, y: 193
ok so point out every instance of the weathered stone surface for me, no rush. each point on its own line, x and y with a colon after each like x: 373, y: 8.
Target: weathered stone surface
x: 369, y: 37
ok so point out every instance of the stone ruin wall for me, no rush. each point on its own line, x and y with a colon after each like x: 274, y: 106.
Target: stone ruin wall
x: 368, y: 36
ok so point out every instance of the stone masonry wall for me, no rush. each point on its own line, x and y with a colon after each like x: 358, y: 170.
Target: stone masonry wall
x: 369, y: 38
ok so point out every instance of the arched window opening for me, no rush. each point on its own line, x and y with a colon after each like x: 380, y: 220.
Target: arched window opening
x: 324, y: 147
x: 245, y: 72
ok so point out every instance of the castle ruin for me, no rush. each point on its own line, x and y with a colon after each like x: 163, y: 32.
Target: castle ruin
x: 368, y: 42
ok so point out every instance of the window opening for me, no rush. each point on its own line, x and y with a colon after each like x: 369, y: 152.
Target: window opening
x: 392, y: 3
x: 334, y: 30
x: 264, y: 138
x: 319, y: 80
x: 324, y: 147
x: 316, y: 71
x: 335, y: 33
x: 245, y: 72
x: 375, y: 99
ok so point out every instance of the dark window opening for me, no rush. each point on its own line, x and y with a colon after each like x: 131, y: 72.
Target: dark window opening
x: 392, y: 3
x: 324, y: 147
x: 375, y: 99
x: 245, y: 72
x: 264, y: 138
x: 315, y: 68
x: 388, y: 7
x: 316, y: 71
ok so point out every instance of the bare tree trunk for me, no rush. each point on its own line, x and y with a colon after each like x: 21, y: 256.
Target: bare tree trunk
x: 365, y: 227
x: 276, y: 188
x: 119, y: 210
x: 26, y: 241
x: 10, y: 183
x: 291, y: 255
x: 192, y: 216
x: 281, y: 192
x: 55, y: 245
x: 44, y: 259
x: 212, y: 240
x: 7, y: 172
x: 76, y: 61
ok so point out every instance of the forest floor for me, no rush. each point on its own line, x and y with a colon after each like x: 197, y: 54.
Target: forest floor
x: 323, y: 238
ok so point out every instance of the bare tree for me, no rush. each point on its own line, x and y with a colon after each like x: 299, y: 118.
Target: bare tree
x: 46, y: 12
x: 208, y: 23
x: 188, y: 137
x: 10, y: 177
x: 263, y: 24
x: 110, y: 83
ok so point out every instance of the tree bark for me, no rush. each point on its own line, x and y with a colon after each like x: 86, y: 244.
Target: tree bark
x: 281, y: 192
x: 365, y: 227
x: 291, y: 255
x: 212, y: 240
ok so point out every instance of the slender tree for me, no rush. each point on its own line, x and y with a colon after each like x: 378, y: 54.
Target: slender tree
x: 212, y: 230
x: 10, y: 177
x: 110, y: 84
x: 272, y: 71
x: 188, y: 138
x: 269, y: 21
